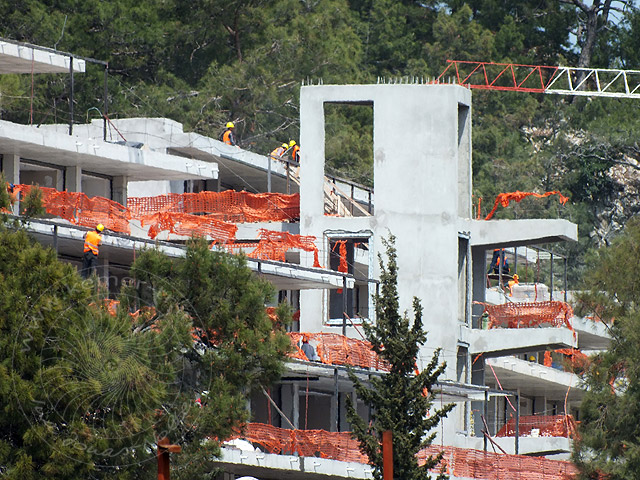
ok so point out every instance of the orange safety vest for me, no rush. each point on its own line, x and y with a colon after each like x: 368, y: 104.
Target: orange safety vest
x: 91, y: 242
x: 277, y: 153
x: 294, y: 153
x: 227, y: 137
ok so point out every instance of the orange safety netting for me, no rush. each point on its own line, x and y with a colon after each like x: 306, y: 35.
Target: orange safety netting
x: 173, y: 212
x: 274, y: 246
x: 79, y: 209
x: 189, y: 225
x: 504, y: 199
x: 460, y: 462
x: 528, y: 315
x: 111, y: 306
x: 335, y: 349
x: 342, y: 267
x: 579, y: 361
x: 228, y: 206
x: 547, y: 426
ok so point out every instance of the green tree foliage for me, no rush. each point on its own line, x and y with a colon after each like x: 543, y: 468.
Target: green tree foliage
x: 206, y: 62
x: 399, y: 399
x: 608, y: 441
x: 87, y: 390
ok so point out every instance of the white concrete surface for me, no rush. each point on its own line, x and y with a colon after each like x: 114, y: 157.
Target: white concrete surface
x: 507, y: 233
x: 98, y: 156
x: 16, y: 58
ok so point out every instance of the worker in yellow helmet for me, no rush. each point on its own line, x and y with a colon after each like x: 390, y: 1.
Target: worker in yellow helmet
x: 278, y: 152
x: 228, y: 136
x: 92, y: 241
x: 295, y: 151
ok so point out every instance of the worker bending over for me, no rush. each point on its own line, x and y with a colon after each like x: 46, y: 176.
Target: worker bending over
x: 92, y: 241
x: 277, y: 153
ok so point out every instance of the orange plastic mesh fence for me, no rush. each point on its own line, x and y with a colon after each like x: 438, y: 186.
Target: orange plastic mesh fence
x: 547, y: 426
x: 456, y: 461
x: 173, y: 212
x: 190, y: 225
x: 79, y: 209
x: 111, y: 306
x: 528, y: 315
x: 274, y: 245
x: 578, y: 360
x: 342, y: 244
x: 505, y: 198
x: 335, y: 349
x: 465, y: 463
x: 228, y: 206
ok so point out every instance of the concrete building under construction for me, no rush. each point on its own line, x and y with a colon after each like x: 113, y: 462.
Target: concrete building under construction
x: 503, y: 348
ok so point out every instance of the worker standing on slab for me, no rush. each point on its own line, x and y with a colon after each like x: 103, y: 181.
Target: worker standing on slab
x: 228, y: 136
x: 295, y: 151
x: 277, y: 153
x: 308, y: 349
x: 92, y: 241
x: 499, y: 258
x: 514, y: 281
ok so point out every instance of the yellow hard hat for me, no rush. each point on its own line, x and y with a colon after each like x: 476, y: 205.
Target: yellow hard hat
x: 100, y: 227
x: 284, y: 145
x: 230, y: 125
x: 292, y: 143
x: 515, y: 276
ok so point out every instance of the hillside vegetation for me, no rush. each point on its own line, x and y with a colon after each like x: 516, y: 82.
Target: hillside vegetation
x: 205, y: 62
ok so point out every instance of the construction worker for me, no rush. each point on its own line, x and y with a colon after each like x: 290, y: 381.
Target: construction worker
x: 308, y: 349
x: 498, y: 258
x: 295, y: 151
x: 512, y: 282
x: 13, y: 194
x: 92, y: 241
x: 228, y: 137
x: 277, y: 153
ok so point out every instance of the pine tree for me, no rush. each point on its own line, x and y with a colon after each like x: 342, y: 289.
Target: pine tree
x: 87, y: 390
x: 238, y: 349
x: 398, y: 399
x: 607, y: 444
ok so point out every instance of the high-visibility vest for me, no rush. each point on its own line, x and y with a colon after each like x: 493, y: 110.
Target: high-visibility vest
x: 294, y: 153
x: 227, y: 137
x: 277, y: 153
x: 91, y: 242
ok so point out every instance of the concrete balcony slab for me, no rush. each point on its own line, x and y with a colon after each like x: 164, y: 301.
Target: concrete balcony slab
x: 499, y: 342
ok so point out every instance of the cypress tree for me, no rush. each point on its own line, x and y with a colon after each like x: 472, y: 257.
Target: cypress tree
x: 401, y: 401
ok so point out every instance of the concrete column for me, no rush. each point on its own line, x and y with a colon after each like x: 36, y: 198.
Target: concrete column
x: 73, y: 179
x: 103, y: 268
x: 539, y: 405
x: 286, y: 404
x: 11, y: 170
x: 477, y: 378
x: 119, y: 190
x: 58, y: 180
x: 479, y: 278
x: 296, y: 405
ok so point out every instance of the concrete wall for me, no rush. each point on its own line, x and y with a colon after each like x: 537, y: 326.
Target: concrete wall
x: 422, y: 166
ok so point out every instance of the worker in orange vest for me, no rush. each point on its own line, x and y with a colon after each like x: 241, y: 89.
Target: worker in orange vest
x: 92, y: 241
x: 514, y: 281
x: 499, y: 257
x: 277, y: 153
x: 295, y: 151
x: 228, y: 137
